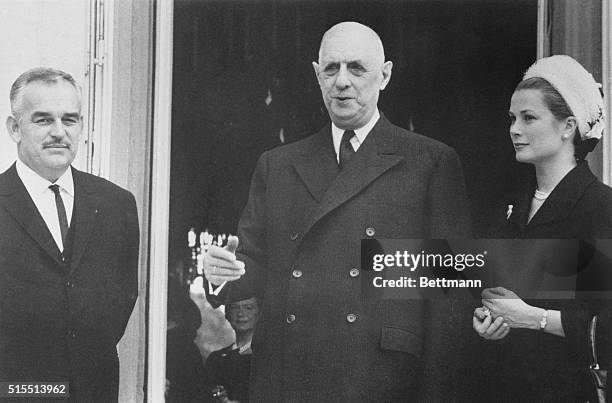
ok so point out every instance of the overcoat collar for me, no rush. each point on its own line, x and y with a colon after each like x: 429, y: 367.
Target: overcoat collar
x: 331, y: 187
x: 15, y: 199
x: 559, y: 203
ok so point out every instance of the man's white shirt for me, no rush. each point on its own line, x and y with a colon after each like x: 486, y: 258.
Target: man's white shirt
x: 44, y: 198
x: 358, y: 138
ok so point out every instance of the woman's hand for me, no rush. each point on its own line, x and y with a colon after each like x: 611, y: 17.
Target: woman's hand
x: 514, y: 311
x: 488, y: 328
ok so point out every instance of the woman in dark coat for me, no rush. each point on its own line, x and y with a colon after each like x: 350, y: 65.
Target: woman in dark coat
x: 540, y: 348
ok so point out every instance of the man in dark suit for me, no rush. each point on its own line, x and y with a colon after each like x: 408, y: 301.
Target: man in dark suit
x: 68, y: 249
x: 320, y: 337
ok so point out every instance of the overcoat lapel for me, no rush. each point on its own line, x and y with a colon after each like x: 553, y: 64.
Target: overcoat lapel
x: 564, y: 196
x: 18, y: 203
x: 375, y: 156
x: 317, y: 165
x: 84, y: 217
x: 520, y: 212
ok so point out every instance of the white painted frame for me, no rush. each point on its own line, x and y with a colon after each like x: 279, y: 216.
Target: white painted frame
x: 160, y: 186
x: 102, y: 161
x: 100, y: 147
x: 160, y: 201
x: 606, y: 49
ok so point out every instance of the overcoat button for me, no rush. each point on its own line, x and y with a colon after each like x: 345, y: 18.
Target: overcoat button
x: 290, y: 318
x: 297, y: 273
x: 351, y: 318
x: 294, y: 236
x: 370, y: 231
x: 354, y: 272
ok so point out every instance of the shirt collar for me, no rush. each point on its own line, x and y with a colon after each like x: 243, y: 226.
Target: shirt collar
x: 360, y: 134
x: 36, y: 184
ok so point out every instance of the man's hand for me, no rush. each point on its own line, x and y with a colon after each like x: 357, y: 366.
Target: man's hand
x: 220, y: 264
x: 486, y: 327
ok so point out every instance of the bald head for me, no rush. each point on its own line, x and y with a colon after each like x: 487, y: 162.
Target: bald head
x: 351, y: 72
x: 352, y: 34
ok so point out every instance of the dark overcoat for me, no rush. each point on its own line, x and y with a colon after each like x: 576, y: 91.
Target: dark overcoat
x: 580, y: 206
x: 538, y: 365
x: 319, y: 337
x: 61, y: 315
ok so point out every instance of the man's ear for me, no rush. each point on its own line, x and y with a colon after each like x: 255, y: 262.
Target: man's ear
x: 12, y: 125
x: 570, y: 127
x: 386, y: 72
x: 315, y: 66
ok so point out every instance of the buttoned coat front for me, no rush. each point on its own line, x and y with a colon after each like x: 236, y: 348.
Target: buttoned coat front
x: 62, y: 316
x: 320, y: 338
x: 542, y: 366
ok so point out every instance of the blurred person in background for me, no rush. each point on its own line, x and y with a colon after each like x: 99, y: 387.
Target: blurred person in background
x: 227, y: 371
x: 184, y: 367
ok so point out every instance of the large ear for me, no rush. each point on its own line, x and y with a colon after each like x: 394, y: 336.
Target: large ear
x: 386, y: 71
x: 570, y: 127
x: 12, y: 125
x: 316, y: 68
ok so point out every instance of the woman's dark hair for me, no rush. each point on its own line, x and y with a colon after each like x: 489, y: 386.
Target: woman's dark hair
x: 560, y: 110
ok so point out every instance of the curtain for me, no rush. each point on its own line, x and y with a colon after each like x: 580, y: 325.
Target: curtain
x: 576, y: 30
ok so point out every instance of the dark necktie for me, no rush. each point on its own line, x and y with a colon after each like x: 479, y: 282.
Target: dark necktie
x: 346, y: 148
x: 61, y: 213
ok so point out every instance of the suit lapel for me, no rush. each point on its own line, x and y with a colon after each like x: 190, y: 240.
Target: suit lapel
x: 375, y: 156
x: 84, y: 217
x: 16, y: 200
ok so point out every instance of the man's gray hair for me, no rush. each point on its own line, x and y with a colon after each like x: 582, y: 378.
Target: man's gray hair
x: 41, y: 74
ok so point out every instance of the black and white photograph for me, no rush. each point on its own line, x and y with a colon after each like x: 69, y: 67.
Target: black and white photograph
x: 306, y: 200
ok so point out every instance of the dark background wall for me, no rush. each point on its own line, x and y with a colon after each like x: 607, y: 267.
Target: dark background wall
x: 455, y: 66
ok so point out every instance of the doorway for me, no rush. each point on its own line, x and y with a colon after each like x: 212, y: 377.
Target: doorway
x: 243, y: 83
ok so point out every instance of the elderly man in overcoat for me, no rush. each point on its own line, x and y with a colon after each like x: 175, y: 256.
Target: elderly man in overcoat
x: 68, y: 249
x: 320, y: 337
